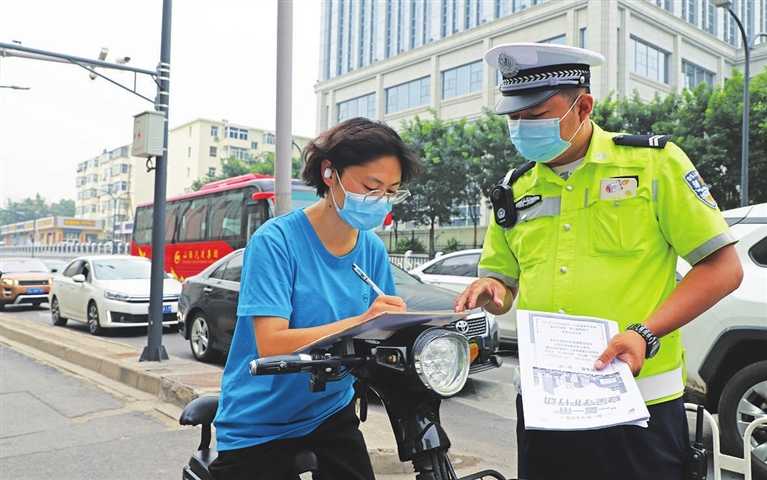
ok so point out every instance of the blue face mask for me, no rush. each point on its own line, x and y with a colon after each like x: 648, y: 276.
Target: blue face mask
x: 360, y: 211
x: 539, y: 140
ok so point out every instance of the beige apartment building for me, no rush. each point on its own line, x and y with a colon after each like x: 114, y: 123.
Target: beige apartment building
x: 394, y: 59
x: 197, y: 148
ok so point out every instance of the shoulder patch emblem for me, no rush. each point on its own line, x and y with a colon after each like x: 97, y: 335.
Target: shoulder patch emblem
x: 699, y: 187
x: 651, y: 141
x: 527, y: 201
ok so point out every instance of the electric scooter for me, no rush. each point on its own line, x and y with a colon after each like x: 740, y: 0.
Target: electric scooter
x: 410, y: 368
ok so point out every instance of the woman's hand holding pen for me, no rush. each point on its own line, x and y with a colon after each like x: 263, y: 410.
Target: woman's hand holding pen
x: 383, y: 303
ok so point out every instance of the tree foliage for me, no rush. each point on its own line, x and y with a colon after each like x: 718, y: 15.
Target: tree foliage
x: 35, y: 207
x: 234, y: 167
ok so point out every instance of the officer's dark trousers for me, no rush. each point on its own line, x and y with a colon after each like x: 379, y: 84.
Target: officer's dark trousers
x: 618, y: 453
x: 337, y: 442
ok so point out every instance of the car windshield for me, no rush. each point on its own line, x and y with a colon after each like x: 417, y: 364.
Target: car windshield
x: 122, y: 269
x: 23, y: 266
x: 401, y: 277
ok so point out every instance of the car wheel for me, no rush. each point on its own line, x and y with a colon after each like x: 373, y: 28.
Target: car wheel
x: 744, y: 399
x: 56, y: 317
x: 201, y: 339
x: 94, y: 325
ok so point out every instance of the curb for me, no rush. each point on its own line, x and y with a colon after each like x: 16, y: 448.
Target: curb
x: 174, y: 381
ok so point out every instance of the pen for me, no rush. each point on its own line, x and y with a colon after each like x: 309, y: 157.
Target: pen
x: 364, y: 277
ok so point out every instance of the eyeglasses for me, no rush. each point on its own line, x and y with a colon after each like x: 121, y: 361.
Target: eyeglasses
x: 394, y: 198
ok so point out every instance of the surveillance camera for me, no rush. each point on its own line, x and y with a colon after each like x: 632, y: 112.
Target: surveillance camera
x: 123, y: 60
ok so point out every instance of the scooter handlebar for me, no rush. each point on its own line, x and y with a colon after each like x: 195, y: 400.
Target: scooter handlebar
x: 280, y: 364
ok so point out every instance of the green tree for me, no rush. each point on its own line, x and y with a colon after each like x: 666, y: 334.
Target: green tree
x: 34, y: 207
x: 233, y: 167
x: 435, y: 189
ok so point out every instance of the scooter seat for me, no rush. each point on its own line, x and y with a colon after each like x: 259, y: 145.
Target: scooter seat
x: 200, y: 411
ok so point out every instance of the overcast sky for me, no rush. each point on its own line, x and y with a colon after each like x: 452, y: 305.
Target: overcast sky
x: 223, y: 56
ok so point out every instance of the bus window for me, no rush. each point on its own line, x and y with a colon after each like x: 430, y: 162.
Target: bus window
x: 142, y: 226
x: 226, y: 216
x: 256, y: 214
x: 170, y: 222
x: 194, y: 221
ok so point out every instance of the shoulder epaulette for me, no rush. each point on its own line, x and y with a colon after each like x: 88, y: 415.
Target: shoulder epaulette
x: 651, y: 141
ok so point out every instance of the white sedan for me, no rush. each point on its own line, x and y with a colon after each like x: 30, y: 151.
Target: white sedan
x: 109, y: 291
x: 455, y: 271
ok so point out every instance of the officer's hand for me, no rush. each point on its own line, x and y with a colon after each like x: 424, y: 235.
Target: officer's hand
x: 480, y: 293
x: 384, y: 303
x: 627, y: 346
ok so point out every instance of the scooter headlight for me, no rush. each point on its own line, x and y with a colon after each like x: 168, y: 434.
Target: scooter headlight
x: 441, y: 359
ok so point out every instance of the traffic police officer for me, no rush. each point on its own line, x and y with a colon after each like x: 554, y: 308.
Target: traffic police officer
x: 593, y: 225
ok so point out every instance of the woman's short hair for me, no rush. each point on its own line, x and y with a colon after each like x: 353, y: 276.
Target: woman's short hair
x: 356, y: 141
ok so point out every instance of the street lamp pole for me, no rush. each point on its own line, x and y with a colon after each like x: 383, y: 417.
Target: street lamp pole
x: 727, y: 4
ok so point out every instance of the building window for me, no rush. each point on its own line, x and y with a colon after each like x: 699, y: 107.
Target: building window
x: 188, y: 152
x: 269, y: 138
x: 212, y: 151
x: 340, y: 38
x: 388, y: 26
x: 211, y: 171
x: 328, y: 32
x: 709, y: 15
x: 582, y: 37
x: 254, y: 145
x: 239, y: 153
x: 400, y: 27
x: 237, y: 133
x: 517, y: 5
x: 214, y: 131
x: 408, y: 95
x: 649, y: 61
x: 695, y: 75
x: 466, y: 15
x: 125, y: 168
x: 462, y: 80
x: 690, y: 11
x: 665, y: 4
x: 454, y: 17
x: 361, y: 34
x: 412, y: 24
x: 558, y: 40
x: 443, y: 19
x: 364, y: 106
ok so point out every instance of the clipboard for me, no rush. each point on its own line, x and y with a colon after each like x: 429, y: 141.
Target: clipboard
x: 384, y: 325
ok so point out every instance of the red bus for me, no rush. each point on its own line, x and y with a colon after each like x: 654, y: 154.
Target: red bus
x: 203, y: 226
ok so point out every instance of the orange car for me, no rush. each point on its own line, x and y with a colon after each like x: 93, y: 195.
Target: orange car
x: 23, y: 281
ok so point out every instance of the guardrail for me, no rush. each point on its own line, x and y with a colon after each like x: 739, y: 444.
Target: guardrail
x: 408, y: 260
x: 65, y: 250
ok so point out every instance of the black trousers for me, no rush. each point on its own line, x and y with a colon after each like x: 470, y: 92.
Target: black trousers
x: 337, y: 442
x: 657, y: 452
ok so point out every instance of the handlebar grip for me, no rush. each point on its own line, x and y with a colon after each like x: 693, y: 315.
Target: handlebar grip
x: 279, y: 364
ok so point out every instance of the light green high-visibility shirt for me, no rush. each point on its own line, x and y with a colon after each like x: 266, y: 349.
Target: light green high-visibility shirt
x: 605, y: 242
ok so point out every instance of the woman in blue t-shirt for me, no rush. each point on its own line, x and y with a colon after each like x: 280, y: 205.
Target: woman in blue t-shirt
x: 297, y: 286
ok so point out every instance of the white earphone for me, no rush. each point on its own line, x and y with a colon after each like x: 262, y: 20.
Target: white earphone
x: 327, y: 173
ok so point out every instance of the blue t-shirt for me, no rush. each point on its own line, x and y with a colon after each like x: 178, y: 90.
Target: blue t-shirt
x: 287, y: 272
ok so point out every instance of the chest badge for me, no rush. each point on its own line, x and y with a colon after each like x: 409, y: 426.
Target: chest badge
x: 527, y: 201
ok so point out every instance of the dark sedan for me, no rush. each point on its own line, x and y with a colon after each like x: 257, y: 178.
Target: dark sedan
x: 208, y: 305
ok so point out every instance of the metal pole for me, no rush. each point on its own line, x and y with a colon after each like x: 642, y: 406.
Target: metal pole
x: 283, y: 146
x: 155, y: 351
x: 746, y: 113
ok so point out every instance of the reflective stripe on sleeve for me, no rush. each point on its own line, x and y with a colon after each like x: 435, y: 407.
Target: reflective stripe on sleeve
x: 508, y: 281
x: 662, y: 385
x: 709, y: 247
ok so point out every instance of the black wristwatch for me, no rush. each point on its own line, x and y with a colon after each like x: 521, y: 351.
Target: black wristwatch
x: 653, y: 342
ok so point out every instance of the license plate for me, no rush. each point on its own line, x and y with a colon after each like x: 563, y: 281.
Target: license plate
x: 34, y: 291
x: 167, y: 309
